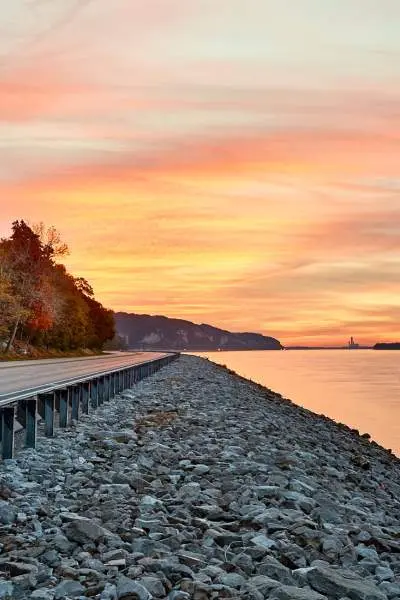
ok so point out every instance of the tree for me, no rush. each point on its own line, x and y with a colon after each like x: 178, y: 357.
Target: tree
x: 41, y: 300
x: 84, y: 286
x: 8, y: 307
x: 51, y: 241
x: 26, y: 264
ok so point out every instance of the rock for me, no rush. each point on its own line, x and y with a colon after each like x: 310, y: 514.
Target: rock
x: 384, y: 573
x: 116, y: 488
x: 50, y: 558
x: 83, y: 530
x: 109, y: 592
x: 68, y: 588
x: 201, y: 469
x: 62, y: 544
x: 274, y: 569
x: 154, y: 586
x: 115, y: 554
x: 6, y: 590
x: 392, y: 590
x: 7, y: 513
x: 367, y: 552
x: 263, y: 584
x: 149, y: 502
x: 289, y: 592
x: 337, y: 584
x: 232, y: 580
x: 43, y: 594
x: 263, y: 541
x: 244, y: 562
x: 127, y: 589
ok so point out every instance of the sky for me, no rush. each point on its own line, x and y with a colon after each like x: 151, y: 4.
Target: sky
x: 224, y: 161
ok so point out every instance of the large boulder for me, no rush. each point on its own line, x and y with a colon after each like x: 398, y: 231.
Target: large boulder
x: 290, y: 592
x: 337, y: 584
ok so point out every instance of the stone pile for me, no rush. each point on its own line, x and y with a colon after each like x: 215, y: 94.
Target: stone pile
x: 197, y: 484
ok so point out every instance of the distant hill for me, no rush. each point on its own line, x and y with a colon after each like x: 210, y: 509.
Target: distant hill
x: 161, y: 333
x: 387, y: 346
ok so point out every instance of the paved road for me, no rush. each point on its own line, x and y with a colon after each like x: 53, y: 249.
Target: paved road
x: 20, y: 377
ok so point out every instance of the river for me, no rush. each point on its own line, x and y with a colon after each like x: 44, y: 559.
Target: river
x: 360, y: 388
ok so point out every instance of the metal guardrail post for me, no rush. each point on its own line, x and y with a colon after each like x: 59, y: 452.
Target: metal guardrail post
x: 85, y: 392
x: 49, y: 414
x: 107, y: 388
x: 116, y: 382
x: 45, y: 407
x: 94, y: 387
x: 30, y: 422
x: 63, y: 396
x: 75, y: 401
x: 112, y: 385
x: 100, y: 391
x: 7, y: 431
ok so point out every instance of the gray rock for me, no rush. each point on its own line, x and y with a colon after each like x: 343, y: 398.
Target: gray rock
x: 274, y: 569
x: 116, y: 488
x: 263, y: 584
x: 83, y: 530
x: 109, y: 592
x: 43, y: 594
x: 263, y: 541
x: 232, y: 580
x: 337, y: 584
x: 392, y: 590
x: 6, y: 590
x: 289, y: 592
x: 68, y: 588
x: 384, y: 573
x: 8, y: 513
x: 127, y: 589
x: 62, y: 544
x: 367, y: 552
x: 154, y: 586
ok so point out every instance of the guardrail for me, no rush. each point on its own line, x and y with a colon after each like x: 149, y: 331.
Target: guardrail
x: 70, y: 398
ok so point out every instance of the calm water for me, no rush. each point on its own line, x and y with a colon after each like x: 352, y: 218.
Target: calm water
x: 358, y: 387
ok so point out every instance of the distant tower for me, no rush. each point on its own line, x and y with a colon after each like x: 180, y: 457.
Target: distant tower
x: 352, y: 344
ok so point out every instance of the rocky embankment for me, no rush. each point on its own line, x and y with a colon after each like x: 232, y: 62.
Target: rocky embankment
x: 198, y: 484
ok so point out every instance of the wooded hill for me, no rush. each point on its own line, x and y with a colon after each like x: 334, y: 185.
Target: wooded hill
x: 41, y: 304
x: 150, y: 332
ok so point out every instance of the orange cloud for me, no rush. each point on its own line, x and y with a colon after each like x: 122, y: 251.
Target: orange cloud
x: 215, y: 187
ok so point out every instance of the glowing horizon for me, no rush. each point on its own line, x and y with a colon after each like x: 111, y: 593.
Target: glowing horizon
x: 237, y: 167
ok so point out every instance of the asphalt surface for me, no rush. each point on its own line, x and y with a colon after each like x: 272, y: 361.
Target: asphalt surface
x: 23, y: 378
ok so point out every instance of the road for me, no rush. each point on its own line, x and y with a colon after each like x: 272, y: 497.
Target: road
x: 20, y: 378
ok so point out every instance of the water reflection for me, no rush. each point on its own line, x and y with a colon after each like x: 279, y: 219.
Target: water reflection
x: 358, y: 387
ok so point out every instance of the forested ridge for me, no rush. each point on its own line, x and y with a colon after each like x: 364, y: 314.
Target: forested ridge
x: 41, y: 304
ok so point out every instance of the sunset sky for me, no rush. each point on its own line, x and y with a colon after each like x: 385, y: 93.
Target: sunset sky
x: 234, y: 162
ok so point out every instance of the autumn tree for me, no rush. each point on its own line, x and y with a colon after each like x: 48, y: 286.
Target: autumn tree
x: 41, y: 300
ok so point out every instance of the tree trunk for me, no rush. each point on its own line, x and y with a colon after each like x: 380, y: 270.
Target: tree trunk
x: 12, y: 337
